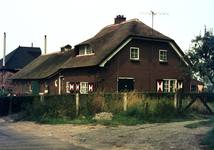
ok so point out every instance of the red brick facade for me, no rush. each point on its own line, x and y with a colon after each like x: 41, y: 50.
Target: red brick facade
x: 145, y: 72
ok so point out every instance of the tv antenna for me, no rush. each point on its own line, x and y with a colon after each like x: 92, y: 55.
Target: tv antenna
x: 153, y: 13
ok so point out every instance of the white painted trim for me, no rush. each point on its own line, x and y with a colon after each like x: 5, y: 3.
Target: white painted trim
x: 138, y: 51
x: 85, y: 55
x: 173, y: 46
x: 60, y: 83
x: 161, y: 60
x: 115, y: 52
x: 124, y: 78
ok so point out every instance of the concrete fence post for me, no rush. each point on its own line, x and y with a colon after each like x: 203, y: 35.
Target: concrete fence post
x: 77, y: 104
x: 176, y: 98
x: 125, y: 101
x: 10, y: 105
x: 42, y: 98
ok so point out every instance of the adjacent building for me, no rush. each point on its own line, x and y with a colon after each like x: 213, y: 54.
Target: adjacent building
x: 14, y: 62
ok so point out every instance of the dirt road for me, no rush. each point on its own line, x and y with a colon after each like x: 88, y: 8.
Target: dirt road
x: 159, y: 136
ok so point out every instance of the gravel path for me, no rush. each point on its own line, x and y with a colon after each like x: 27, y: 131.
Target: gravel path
x: 158, y: 136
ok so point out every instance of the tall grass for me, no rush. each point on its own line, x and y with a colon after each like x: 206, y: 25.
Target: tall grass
x: 141, y: 108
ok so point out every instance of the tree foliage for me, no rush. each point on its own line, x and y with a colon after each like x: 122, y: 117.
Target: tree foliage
x: 201, y: 56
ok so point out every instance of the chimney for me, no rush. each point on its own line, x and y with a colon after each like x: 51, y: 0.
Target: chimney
x: 45, y: 44
x: 119, y: 19
x: 4, y: 49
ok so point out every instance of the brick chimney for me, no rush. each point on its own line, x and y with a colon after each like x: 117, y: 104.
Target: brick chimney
x: 119, y: 19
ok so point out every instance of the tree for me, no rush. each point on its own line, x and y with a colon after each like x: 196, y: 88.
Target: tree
x: 201, y: 57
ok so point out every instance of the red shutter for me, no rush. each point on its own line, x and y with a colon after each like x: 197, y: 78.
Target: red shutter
x: 72, y: 86
x: 160, y: 86
x: 77, y: 86
x: 90, y: 87
x: 180, y: 85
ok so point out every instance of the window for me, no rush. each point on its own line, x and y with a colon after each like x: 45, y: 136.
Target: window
x: 169, y: 85
x: 193, y: 87
x: 134, y: 53
x: 84, y: 87
x: 85, y: 50
x: 163, y: 55
x: 68, y: 87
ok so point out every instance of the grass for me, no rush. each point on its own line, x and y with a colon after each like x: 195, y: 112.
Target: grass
x: 208, y: 123
x: 209, y: 140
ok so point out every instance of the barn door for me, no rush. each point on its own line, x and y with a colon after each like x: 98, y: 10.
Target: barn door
x: 125, y: 85
x: 35, y: 87
x: 23, y: 87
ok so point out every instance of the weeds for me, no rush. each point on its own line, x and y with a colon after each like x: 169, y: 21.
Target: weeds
x: 141, y: 108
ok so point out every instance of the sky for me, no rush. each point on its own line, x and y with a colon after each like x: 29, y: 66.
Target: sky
x: 74, y: 21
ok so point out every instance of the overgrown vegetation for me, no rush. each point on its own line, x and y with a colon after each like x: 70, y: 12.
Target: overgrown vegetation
x: 141, y: 108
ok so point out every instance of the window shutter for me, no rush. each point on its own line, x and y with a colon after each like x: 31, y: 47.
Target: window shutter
x: 71, y: 87
x: 180, y: 85
x: 159, y: 85
x: 90, y: 87
x: 77, y: 86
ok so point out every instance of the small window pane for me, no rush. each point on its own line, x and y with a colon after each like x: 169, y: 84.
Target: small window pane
x: 82, y: 50
x: 134, y: 53
x: 89, y: 49
x: 163, y: 55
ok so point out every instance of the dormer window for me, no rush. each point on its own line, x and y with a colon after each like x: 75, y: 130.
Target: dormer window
x: 85, y: 50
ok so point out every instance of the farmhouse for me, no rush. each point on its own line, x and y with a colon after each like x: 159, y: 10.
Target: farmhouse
x: 127, y: 55
x: 14, y: 62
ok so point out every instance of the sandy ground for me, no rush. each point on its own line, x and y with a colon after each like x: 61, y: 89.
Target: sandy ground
x: 158, y: 136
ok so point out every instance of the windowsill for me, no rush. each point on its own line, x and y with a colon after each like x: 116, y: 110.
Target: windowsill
x: 85, y: 55
x: 163, y: 61
x: 134, y: 59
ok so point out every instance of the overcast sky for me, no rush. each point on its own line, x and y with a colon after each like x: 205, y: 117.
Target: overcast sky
x: 73, y: 21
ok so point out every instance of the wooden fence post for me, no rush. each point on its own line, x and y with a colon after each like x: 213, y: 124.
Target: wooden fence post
x: 176, y: 99
x: 77, y: 104
x: 125, y: 101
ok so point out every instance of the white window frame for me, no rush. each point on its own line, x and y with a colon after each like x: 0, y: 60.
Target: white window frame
x: 167, y: 86
x: 164, y: 55
x: 85, y: 49
x: 84, y: 87
x: 134, y: 48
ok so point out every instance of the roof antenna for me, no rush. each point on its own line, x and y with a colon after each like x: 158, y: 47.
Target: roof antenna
x: 153, y: 13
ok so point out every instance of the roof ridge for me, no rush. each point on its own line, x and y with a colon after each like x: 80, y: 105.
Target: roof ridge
x: 114, y: 25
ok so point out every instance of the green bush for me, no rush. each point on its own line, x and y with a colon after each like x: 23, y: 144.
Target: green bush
x: 53, y: 107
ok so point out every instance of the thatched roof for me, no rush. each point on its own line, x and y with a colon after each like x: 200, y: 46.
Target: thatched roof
x: 44, y: 66
x: 110, y: 38
x: 103, y: 44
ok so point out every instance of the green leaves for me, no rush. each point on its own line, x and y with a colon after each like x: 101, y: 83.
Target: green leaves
x: 201, y: 56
